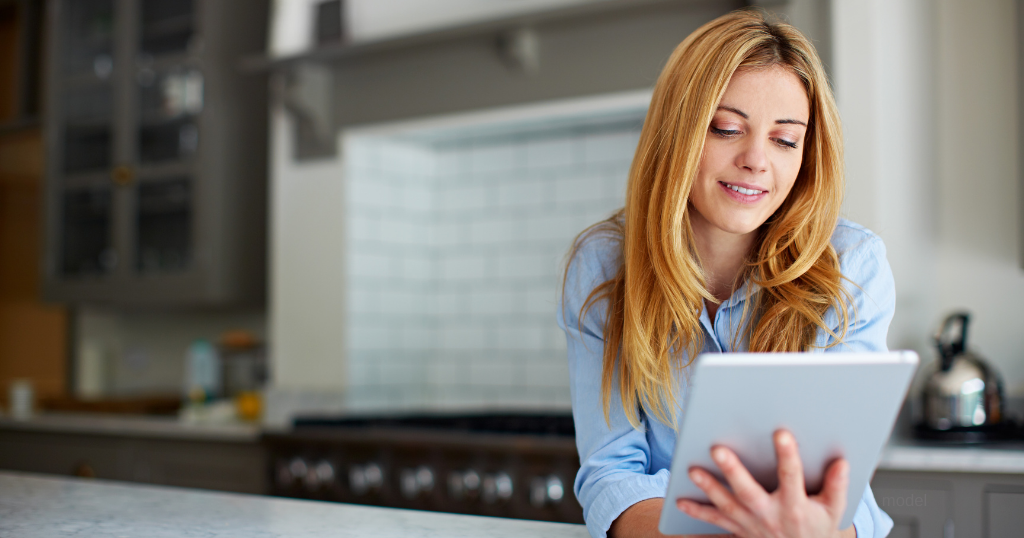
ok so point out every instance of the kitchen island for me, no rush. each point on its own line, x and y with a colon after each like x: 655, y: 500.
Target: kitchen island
x: 38, y: 506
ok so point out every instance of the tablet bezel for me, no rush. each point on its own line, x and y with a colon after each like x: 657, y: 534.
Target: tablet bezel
x: 865, y: 390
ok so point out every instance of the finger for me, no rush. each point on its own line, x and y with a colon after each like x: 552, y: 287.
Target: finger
x: 747, y: 490
x: 833, y: 491
x: 709, y: 514
x: 722, y: 498
x: 791, y: 469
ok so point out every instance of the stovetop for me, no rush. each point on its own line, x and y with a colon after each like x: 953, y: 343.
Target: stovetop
x: 541, y: 424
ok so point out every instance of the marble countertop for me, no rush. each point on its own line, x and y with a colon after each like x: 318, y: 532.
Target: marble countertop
x: 908, y: 455
x: 36, y: 506
x: 133, y: 426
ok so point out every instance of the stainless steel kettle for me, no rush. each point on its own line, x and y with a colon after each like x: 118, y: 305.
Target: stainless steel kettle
x: 963, y: 391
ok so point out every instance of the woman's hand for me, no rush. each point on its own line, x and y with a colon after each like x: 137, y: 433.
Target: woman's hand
x: 748, y: 511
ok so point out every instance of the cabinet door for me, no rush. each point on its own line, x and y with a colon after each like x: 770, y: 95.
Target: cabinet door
x: 86, y: 232
x: 84, y: 148
x: 919, y: 508
x: 1004, y: 513
x: 163, y: 226
x: 86, y: 86
x: 64, y: 454
x: 222, y: 466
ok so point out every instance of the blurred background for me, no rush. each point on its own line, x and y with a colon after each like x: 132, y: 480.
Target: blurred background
x: 242, y: 212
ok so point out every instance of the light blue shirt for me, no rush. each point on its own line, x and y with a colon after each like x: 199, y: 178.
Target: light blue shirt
x: 621, y: 466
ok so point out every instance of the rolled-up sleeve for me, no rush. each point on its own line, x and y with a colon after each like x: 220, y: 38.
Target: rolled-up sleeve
x: 614, y: 459
x: 873, y: 292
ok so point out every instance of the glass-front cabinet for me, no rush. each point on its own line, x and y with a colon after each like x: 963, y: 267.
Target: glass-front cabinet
x: 156, y: 152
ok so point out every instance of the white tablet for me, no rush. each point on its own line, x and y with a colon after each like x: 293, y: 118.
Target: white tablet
x: 836, y: 404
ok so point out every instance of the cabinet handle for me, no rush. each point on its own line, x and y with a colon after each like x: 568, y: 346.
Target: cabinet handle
x: 122, y: 176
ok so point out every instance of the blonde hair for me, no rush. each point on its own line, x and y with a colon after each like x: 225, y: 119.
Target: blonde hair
x: 655, y: 299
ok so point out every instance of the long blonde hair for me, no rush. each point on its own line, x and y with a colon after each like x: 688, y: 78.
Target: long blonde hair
x: 655, y: 299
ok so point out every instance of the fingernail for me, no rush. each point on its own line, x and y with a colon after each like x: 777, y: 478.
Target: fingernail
x: 696, y: 478
x: 718, y: 454
x: 785, y: 439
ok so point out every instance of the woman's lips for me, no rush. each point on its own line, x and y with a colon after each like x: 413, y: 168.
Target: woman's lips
x: 742, y: 197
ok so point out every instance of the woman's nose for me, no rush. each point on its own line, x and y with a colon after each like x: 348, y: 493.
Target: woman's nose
x: 754, y: 156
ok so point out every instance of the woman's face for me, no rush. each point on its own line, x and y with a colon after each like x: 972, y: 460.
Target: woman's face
x: 753, y: 151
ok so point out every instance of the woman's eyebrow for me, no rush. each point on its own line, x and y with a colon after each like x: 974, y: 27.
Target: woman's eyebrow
x: 734, y: 111
x: 744, y: 115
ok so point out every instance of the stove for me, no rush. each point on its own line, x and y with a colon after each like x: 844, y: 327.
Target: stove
x: 507, y: 465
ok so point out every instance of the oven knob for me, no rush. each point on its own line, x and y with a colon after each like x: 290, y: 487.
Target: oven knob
x: 322, y: 474
x: 297, y: 468
x: 407, y: 483
x: 416, y: 481
x: 425, y: 478
x: 284, y: 473
x: 364, y: 478
x: 463, y: 484
x: 546, y: 490
x: 497, y: 487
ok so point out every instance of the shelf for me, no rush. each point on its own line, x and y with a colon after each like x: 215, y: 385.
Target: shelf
x: 345, y: 51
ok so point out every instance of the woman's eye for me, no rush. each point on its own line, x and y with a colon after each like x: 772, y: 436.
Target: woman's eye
x: 724, y: 133
x: 785, y: 143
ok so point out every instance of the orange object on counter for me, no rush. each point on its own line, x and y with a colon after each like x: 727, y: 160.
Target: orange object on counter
x: 249, y: 405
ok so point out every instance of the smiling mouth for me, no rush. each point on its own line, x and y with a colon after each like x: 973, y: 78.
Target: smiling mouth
x: 742, y: 190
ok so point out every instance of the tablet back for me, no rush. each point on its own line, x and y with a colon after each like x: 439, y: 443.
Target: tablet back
x: 836, y: 404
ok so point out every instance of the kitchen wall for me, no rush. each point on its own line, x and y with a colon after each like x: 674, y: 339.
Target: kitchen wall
x: 455, y: 250
x: 143, y: 352
x: 929, y: 98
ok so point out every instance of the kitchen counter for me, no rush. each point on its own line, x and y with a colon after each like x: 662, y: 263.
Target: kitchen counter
x: 899, y: 455
x: 910, y: 455
x: 133, y: 426
x: 37, y: 506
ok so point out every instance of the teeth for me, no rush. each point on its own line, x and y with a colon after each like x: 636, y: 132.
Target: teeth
x: 741, y: 190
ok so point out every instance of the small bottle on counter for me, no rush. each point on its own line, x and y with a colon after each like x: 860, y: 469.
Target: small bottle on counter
x: 202, y: 372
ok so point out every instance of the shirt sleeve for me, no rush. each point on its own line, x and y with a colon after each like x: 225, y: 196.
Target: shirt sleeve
x: 873, y: 292
x: 614, y: 458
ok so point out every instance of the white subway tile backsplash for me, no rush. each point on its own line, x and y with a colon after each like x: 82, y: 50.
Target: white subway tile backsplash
x: 455, y: 262
x: 491, y: 373
x: 525, y: 265
x: 491, y: 159
x: 614, y: 146
x: 581, y: 190
x: 490, y: 301
x: 463, y: 267
x: 473, y: 198
x: 522, y: 194
x: 556, y: 228
x: 463, y: 336
x: 369, y: 265
x: 549, y: 152
x: 492, y: 230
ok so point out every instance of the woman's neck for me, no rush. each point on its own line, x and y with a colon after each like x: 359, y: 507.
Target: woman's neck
x: 723, y: 256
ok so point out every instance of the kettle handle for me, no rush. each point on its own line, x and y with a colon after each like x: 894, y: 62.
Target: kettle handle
x: 952, y: 337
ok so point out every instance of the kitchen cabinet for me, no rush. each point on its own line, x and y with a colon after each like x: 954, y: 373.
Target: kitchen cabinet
x: 950, y: 504
x: 156, y: 167
x: 215, y: 464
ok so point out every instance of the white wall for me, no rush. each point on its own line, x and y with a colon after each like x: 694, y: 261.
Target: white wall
x: 927, y: 91
x: 979, y: 178
x: 307, y: 267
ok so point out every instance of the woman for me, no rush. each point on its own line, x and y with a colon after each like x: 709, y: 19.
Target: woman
x: 730, y: 240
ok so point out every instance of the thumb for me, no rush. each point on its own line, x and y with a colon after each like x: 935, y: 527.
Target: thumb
x: 833, y: 491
